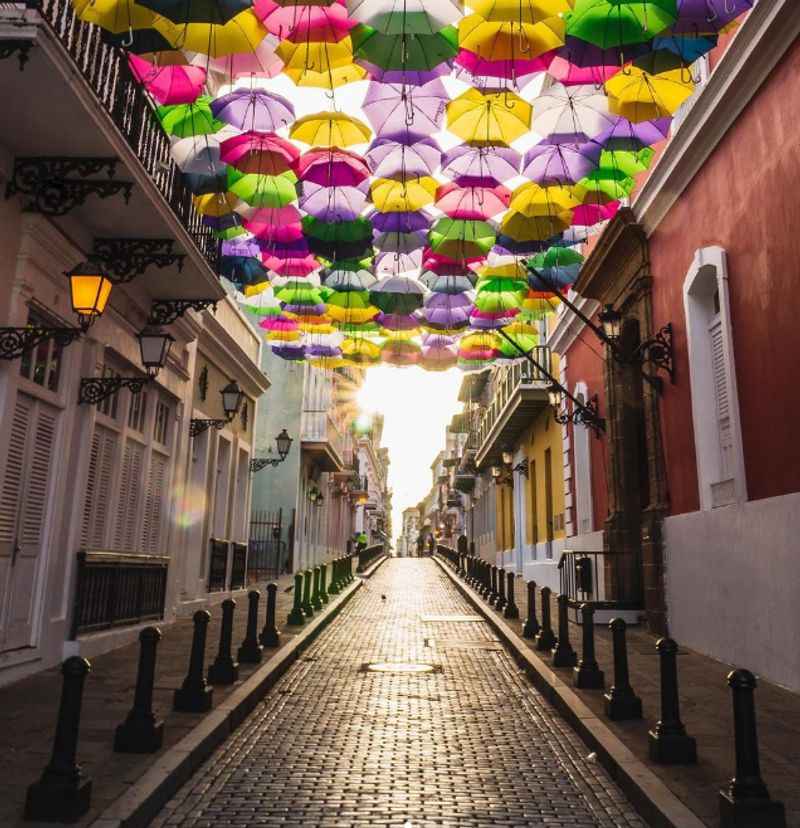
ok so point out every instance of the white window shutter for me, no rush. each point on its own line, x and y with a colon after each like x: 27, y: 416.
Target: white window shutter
x: 722, y: 398
x: 38, y: 484
x: 130, y: 490
x: 14, y: 471
x: 98, y: 487
x: 154, y: 504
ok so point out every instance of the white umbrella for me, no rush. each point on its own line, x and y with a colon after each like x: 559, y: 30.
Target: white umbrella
x: 396, y: 17
x: 572, y: 110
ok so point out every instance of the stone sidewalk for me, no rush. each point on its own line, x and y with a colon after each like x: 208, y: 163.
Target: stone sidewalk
x: 469, y: 742
x: 28, y: 709
x: 706, y: 711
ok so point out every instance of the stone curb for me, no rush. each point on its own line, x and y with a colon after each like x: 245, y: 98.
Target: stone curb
x: 653, y: 800
x: 137, y: 807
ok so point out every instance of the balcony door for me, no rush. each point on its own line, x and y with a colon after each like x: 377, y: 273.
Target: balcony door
x: 25, y: 498
x: 548, y: 501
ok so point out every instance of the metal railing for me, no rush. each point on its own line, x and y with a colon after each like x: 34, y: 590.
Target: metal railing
x: 317, y: 426
x: 105, y: 68
x: 508, y: 379
x: 367, y: 555
x: 117, y: 589
x: 604, y: 579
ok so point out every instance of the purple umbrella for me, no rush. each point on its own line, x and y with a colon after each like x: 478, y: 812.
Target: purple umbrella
x: 306, y: 310
x: 437, y: 340
x: 253, y: 110
x: 401, y: 242
x: 707, y: 16
x: 333, y: 204
x: 323, y: 351
x: 241, y: 247
x: 412, y: 78
x: 447, y: 282
x: 388, y: 159
x: 397, y: 321
x: 400, y: 222
x: 625, y: 135
x: 560, y: 163
x: 397, y: 106
x: 288, y: 350
x: 290, y: 250
x: 447, y: 311
x: 499, y: 163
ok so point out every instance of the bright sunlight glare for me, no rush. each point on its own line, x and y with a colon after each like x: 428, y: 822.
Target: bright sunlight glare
x: 417, y: 406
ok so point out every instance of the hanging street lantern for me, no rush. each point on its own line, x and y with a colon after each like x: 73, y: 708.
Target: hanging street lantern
x: 283, y: 442
x: 611, y: 320
x: 555, y: 395
x: 154, y: 345
x: 90, y: 288
x: 232, y: 397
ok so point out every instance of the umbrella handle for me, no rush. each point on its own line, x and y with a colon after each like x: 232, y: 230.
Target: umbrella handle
x: 129, y: 42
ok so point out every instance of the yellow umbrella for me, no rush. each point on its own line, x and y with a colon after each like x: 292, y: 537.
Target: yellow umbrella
x: 514, y: 271
x: 318, y: 56
x: 488, y: 118
x: 328, y: 363
x: 504, y: 40
x: 531, y: 199
x: 639, y: 95
x: 254, y: 290
x: 214, y: 204
x: 330, y: 129
x: 242, y: 33
x: 352, y: 316
x: 390, y: 196
x: 331, y: 79
x: 360, y: 351
x: 115, y: 16
x: 520, y: 11
x: 534, y: 228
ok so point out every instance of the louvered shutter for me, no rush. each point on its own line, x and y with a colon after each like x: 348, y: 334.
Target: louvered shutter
x: 722, y: 400
x: 98, y: 487
x: 154, y: 504
x: 130, y: 493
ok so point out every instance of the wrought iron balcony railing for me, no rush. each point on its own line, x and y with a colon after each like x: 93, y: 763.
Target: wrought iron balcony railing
x: 105, y: 69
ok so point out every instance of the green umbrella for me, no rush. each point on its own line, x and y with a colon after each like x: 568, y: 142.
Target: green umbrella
x: 524, y: 342
x: 613, y: 23
x: 461, y: 238
x: 604, y: 184
x: 629, y: 162
x: 412, y: 52
x: 187, y: 120
x: 263, y: 190
x: 296, y: 294
x: 340, y: 231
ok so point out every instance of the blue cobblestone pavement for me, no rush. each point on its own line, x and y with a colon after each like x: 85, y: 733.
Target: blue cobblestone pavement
x: 469, y: 743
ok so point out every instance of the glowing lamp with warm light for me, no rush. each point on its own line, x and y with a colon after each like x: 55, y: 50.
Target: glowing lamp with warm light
x: 90, y: 288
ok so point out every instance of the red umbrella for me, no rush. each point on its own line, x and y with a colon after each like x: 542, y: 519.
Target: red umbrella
x: 332, y: 168
x: 472, y: 202
x: 262, y: 153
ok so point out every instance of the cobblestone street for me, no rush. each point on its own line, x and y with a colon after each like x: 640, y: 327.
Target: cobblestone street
x: 469, y: 744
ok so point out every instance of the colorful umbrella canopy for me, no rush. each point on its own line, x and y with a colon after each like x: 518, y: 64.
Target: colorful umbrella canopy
x: 347, y: 280
x: 610, y: 23
x: 472, y: 202
x: 393, y: 107
x: 171, y: 84
x: 415, y: 52
x: 547, y: 163
x: 333, y: 203
x: 253, y: 110
x: 397, y: 294
x: 409, y: 195
x: 242, y: 33
x: 389, y: 159
x: 425, y: 17
x: 707, y: 16
x: 461, y: 239
x: 261, y: 153
x: 186, y: 120
x: 652, y: 87
x: 572, y: 112
x: 497, y: 163
x: 332, y: 167
x: 507, y: 40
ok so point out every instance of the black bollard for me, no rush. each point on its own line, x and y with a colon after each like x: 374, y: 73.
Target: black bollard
x: 669, y: 742
x: 333, y: 587
x: 746, y: 803
x: 316, y: 601
x: 308, y: 609
x: 511, y: 610
x: 141, y: 732
x: 500, y: 603
x: 487, y: 580
x: 545, y: 639
x: 531, y: 627
x: 64, y: 793
x: 250, y: 651
x: 195, y: 696
x: 588, y: 675
x: 270, y: 637
x: 296, y: 616
x: 225, y: 670
x: 562, y: 655
x: 621, y: 702
x: 323, y: 575
x: 494, y: 593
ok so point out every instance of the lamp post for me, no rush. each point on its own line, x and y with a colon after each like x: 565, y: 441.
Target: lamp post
x: 283, y: 443
x: 89, y: 292
x: 232, y: 397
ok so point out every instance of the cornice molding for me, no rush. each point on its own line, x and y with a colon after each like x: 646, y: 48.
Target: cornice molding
x: 768, y: 31
x: 569, y: 326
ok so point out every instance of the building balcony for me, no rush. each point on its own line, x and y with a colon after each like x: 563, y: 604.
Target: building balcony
x: 80, y: 136
x: 321, y: 439
x: 520, y: 393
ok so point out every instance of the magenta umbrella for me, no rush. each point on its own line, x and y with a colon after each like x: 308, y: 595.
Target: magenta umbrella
x: 586, y: 215
x: 395, y: 106
x: 253, y: 110
x: 566, y: 164
x: 499, y: 163
x: 388, y: 159
x: 514, y: 70
x: 472, y: 202
x: 332, y: 167
x: 284, y: 20
x: 332, y: 204
x: 168, y: 84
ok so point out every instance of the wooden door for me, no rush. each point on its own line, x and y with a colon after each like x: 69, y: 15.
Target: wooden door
x: 548, y: 500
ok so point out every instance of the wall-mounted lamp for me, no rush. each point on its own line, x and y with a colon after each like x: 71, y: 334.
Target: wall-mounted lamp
x: 283, y: 443
x: 232, y: 397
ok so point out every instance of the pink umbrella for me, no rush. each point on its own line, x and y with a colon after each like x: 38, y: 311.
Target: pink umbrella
x: 586, y: 215
x: 511, y: 69
x: 291, y: 267
x: 263, y: 153
x: 168, y: 84
x: 276, y: 224
x: 322, y: 25
x: 262, y: 62
x: 571, y: 74
x: 283, y: 20
x: 472, y: 202
x: 332, y: 168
